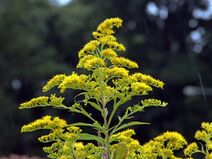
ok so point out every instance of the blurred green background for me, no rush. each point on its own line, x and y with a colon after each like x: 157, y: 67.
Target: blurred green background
x: 170, y: 39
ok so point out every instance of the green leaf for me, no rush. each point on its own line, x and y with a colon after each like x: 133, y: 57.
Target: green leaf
x: 120, y: 151
x: 94, y: 105
x: 83, y: 124
x: 87, y: 136
x: 130, y: 124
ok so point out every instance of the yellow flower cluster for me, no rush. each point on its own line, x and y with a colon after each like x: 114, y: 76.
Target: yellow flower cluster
x: 93, y: 54
x: 117, y: 72
x: 106, y: 27
x: 39, y: 101
x: 48, y: 138
x: 172, y: 140
x: 89, y: 48
x: 88, y: 151
x: 108, y: 52
x: 108, y: 93
x: 123, y: 62
x: 90, y: 62
x: 55, y: 81
x: 163, y: 146
x: 73, y: 81
x: 124, y: 136
x: 61, y: 136
x: 109, y: 81
x: 207, y: 127
x: 115, y: 45
x: 147, y: 79
x: 205, y: 136
x: 110, y: 41
x: 153, y: 102
x: 190, y: 149
x: 44, y: 123
x: 140, y: 88
x: 52, y: 150
x: 107, y: 39
x: 94, y: 63
x: 56, y: 101
x: 43, y: 101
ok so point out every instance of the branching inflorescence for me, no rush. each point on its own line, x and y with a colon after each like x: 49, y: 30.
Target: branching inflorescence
x: 108, y: 80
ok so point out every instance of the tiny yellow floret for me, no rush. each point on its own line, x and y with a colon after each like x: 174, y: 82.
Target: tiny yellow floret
x: 39, y: 101
x: 190, y: 149
x: 73, y: 81
x: 109, y: 52
x: 55, y: 81
x: 123, y: 62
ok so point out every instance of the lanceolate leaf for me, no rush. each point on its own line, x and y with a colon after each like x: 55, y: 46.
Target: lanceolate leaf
x: 120, y: 151
x: 130, y: 124
x: 83, y: 124
x: 94, y: 105
x: 87, y: 136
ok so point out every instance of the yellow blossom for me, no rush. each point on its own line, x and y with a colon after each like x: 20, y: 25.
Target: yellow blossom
x: 209, y: 145
x: 51, y: 149
x: 153, y: 102
x: 73, y: 81
x: 39, y: 101
x: 44, y: 123
x: 139, y: 77
x: 115, y: 45
x: 78, y: 145
x: 89, y: 48
x: 74, y: 129
x: 106, y: 39
x: 117, y: 72
x: 47, y: 138
x: 207, y: 126
x: 123, y: 62
x: 175, y: 141
x: 90, y: 62
x: 109, y: 91
x: 83, y: 60
x: 190, y: 149
x: 108, y: 52
x: 209, y: 156
x: 106, y: 27
x: 140, y: 88
x: 163, y: 146
x: 201, y: 135
x: 56, y: 101
x: 93, y: 63
x: 55, y: 81
x: 124, y: 136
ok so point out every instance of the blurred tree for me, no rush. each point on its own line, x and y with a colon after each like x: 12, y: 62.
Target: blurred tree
x: 27, y: 57
x: 171, y: 40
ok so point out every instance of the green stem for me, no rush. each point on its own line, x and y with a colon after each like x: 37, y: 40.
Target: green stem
x: 126, y: 115
x: 106, y: 133
x: 115, y: 107
x: 82, y: 111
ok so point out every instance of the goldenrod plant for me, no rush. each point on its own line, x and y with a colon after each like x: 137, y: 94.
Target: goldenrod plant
x: 106, y: 86
x: 205, y: 146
